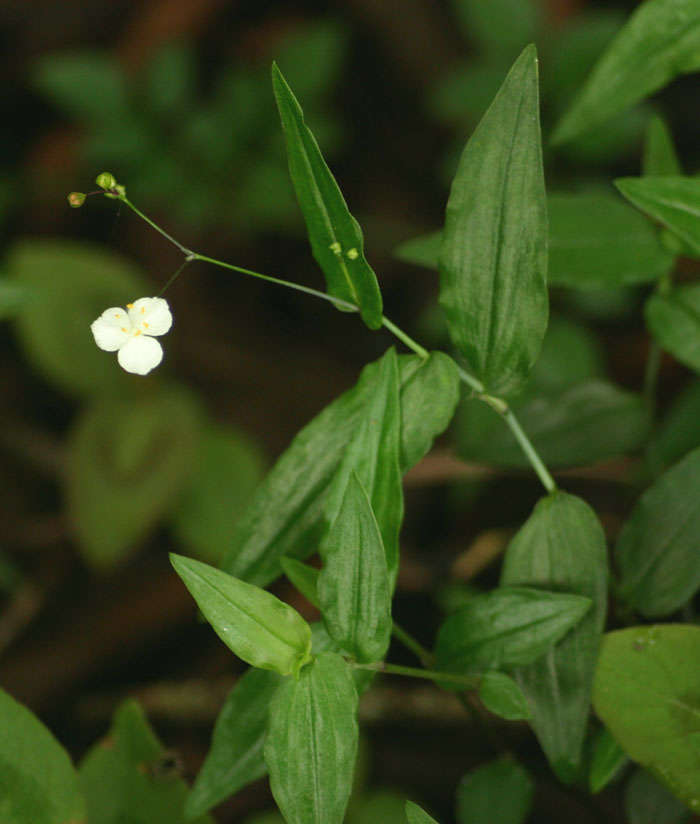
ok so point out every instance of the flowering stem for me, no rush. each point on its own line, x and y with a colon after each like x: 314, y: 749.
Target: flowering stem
x: 424, y: 655
x: 497, y: 403
x: 174, y: 277
x: 467, y: 682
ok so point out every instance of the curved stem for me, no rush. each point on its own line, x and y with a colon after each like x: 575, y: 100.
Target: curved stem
x: 185, y: 251
x: 402, y: 336
x: 424, y: 655
x: 530, y: 451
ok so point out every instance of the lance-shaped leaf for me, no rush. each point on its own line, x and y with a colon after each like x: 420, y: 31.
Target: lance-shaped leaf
x: 499, y: 792
x: 335, y: 235
x: 507, y: 627
x: 679, y: 431
x: 659, y: 158
x: 286, y: 514
x: 562, y: 547
x: 130, y: 776
x: 649, y: 802
x: 659, y: 41
x: 256, y: 625
x: 607, y: 760
x: 674, y: 320
x: 501, y: 695
x: 417, y: 815
x: 673, y: 201
x: 646, y: 692
x: 493, y: 261
x: 235, y: 757
x: 373, y: 453
x: 353, y: 587
x: 585, y: 251
x: 312, y: 742
x: 37, y: 781
x: 657, y: 551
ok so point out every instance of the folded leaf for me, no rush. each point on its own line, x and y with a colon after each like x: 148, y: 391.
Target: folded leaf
x: 335, y: 235
x: 235, y: 757
x: 660, y: 41
x: 660, y: 158
x: 304, y: 578
x: 673, y: 201
x: 354, y: 590
x: 256, y: 625
x: 607, y: 761
x: 507, y: 627
x: 37, y: 781
x: 657, y: 550
x: 311, y: 743
x: 285, y: 516
x: 562, y: 547
x: 130, y: 776
x: 679, y: 431
x: 493, y: 260
x: 646, y: 693
x: 373, y: 452
x: 417, y: 815
x: 499, y: 792
x: 674, y: 321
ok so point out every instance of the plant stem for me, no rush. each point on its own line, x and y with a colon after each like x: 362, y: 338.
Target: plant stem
x: 651, y: 376
x: 467, y: 682
x: 424, y: 655
x: 497, y: 403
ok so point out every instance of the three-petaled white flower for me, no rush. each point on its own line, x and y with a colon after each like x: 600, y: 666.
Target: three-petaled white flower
x: 130, y: 333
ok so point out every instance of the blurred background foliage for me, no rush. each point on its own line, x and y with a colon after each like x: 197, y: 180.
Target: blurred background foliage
x: 103, y: 473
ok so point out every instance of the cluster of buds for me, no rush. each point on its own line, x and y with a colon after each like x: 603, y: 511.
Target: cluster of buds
x: 109, y: 188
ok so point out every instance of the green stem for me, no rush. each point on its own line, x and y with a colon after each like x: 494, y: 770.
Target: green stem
x: 424, y: 655
x: 175, y: 276
x: 497, y: 403
x: 402, y: 336
x: 651, y: 376
x: 467, y: 682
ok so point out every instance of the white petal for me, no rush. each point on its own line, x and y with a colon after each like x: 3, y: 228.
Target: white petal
x: 151, y: 315
x: 140, y: 354
x: 112, y: 329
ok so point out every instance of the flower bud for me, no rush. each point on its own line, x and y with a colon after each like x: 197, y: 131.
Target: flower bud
x: 106, y: 181
x: 76, y: 199
x: 117, y: 191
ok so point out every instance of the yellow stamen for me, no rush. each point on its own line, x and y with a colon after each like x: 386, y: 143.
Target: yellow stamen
x: 143, y: 309
x: 136, y: 334
x: 123, y: 329
x: 145, y: 324
x: 129, y: 305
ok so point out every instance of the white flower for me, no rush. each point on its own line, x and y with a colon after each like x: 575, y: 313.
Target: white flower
x: 130, y: 333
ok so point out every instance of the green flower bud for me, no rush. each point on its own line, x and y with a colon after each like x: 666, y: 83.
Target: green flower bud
x: 76, y: 199
x: 106, y: 181
x: 117, y: 191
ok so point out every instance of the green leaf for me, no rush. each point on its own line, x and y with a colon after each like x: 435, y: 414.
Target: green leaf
x: 674, y: 321
x: 657, y: 550
x: 500, y: 792
x: 223, y: 477
x: 649, y: 802
x: 562, y: 547
x: 335, y: 235
x: 657, y: 43
x: 584, y: 424
x: 585, y: 251
x: 13, y: 297
x: 38, y: 784
x: 129, y: 777
x: 660, y: 158
x: 646, y: 693
x: 311, y: 743
x: 71, y: 284
x: 500, y: 28
x: 373, y: 452
x: 304, y: 578
x: 321, y: 642
x: 286, y: 514
x: 378, y: 807
x: 501, y: 695
x: 256, y: 625
x: 673, y: 201
x: 128, y: 461
x: 493, y: 260
x: 679, y: 431
x: 607, y: 761
x: 507, y: 627
x: 423, y: 250
x: 87, y: 86
x: 235, y: 757
x: 353, y: 588
x: 417, y: 815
